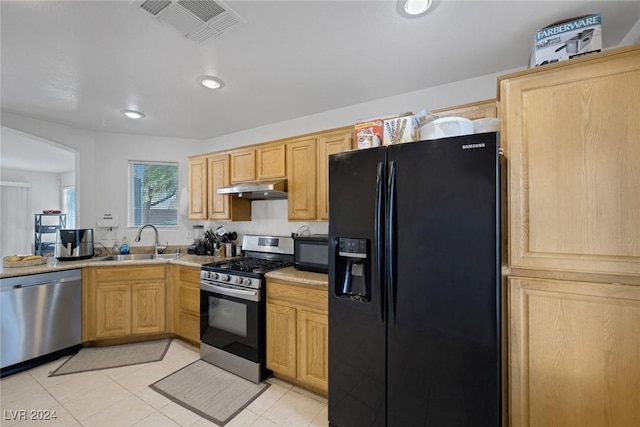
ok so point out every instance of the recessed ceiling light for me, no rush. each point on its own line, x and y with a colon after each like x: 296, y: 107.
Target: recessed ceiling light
x: 415, y: 7
x: 133, y: 114
x: 210, y: 82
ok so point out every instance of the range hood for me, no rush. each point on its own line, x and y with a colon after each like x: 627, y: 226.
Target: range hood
x: 257, y: 190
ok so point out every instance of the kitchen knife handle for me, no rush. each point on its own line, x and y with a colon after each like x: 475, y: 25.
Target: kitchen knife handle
x: 379, y: 241
x: 391, y: 243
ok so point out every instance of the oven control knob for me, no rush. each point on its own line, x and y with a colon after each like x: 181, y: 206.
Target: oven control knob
x: 225, y: 277
x: 239, y: 280
x: 213, y: 276
x: 246, y: 281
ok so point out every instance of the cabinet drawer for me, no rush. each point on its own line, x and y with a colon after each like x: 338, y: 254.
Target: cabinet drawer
x: 191, y: 275
x: 299, y: 295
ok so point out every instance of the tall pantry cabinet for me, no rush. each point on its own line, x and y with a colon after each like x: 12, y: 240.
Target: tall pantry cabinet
x: 571, y: 133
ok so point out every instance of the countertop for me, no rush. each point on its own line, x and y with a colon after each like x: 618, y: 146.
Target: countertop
x: 291, y: 274
x: 55, y: 265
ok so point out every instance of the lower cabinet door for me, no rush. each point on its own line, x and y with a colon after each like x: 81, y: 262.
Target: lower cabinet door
x: 281, y: 339
x: 113, y: 310
x: 147, y: 308
x: 189, y: 327
x: 574, y: 353
x: 313, y: 349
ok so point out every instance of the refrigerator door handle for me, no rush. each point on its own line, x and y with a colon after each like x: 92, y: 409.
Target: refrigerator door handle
x: 379, y: 239
x: 391, y: 241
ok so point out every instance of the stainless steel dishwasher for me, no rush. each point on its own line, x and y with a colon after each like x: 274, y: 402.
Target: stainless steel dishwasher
x: 41, y: 316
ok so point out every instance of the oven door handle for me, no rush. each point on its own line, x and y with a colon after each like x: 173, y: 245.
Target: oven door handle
x: 240, y: 293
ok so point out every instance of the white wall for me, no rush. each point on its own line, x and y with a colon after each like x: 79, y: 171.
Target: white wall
x: 45, y: 192
x: 79, y: 140
x: 102, y: 171
x: 462, y: 92
x: 112, y: 181
x: 67, y: 179
x: 270, y: 217
x: 102, y: 159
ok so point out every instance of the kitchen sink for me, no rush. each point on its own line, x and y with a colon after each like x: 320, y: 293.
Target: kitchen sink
x: 137, y: 257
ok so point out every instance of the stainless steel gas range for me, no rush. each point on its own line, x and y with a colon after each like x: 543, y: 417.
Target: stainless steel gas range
x: 233, y: 306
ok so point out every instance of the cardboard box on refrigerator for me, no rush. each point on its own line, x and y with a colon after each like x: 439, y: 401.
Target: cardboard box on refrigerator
x: 567, y: 39
x: 405, y: 128
x: 368, y: 133
x: 399, y: 130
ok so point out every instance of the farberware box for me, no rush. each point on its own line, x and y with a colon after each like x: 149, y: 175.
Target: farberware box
x: 567, y: 39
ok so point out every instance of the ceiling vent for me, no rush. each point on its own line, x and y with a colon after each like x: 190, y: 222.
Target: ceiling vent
x: 198, y: 20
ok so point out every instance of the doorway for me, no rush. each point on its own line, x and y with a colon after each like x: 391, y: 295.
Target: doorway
x: 44, y: 173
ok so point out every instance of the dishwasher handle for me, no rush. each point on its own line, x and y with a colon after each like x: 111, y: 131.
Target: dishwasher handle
x: 52, y: 282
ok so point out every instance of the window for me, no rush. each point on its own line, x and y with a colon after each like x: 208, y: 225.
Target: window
x: 153, y: 189
x: 69, y: 205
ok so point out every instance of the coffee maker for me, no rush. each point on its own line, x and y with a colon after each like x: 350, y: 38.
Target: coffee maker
x: 198, y: 247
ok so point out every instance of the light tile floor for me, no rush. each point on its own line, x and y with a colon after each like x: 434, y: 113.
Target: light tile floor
x: 122, y: 397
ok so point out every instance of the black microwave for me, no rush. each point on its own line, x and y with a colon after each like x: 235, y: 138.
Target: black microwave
x: 311, y: 253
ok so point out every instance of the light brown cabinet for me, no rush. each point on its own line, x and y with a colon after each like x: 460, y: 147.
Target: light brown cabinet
x: 123, y: 301
x: 328, y: 144
x: 308, y: 172
x: 198, y: 188
x: 301, y: 176
x: 574, y: 353
x: 313, y: 348
x: 221, y: 206
x: 472, y: 111
x: 186, y: 303
x: 570, y: 136
x: 113, y: 311
x: 281, y: 339
x: 270, y: 161
x: 218, y: 177
x: 304, y: 161
x: 206, y: 175
x: 298, y: 334
x: 243, y: 165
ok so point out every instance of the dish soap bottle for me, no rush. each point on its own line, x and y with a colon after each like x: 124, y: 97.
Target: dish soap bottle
x: 124, y: 247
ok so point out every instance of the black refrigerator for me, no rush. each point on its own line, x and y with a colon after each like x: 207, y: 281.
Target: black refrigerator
x: 414, y: 284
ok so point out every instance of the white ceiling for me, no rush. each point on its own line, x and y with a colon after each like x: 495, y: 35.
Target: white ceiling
x: 81, y: 62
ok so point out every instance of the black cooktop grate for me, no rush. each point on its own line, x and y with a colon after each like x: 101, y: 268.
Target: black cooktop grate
x: 247, y: 265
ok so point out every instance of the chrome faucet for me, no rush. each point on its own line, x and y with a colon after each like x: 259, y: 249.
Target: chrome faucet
x: 157, y: 249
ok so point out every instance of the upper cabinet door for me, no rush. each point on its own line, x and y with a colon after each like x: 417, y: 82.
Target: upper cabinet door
x: 218, y: 177
x: 327, y: 145
x: 243, y: 166
x: 271, y: 162
x: 198, y: 188
x: 301, y: 177
x: 571, y: 134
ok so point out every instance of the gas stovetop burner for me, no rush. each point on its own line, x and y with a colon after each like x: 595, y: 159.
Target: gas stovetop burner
x: 248, y: 265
